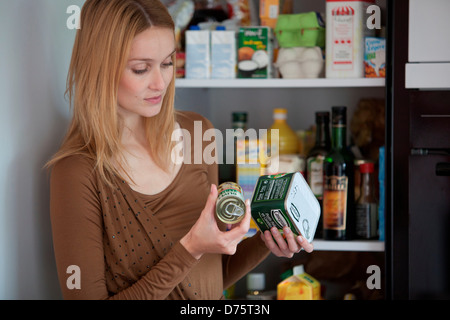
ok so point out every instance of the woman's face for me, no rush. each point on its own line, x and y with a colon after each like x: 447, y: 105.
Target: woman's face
x: 147, y: 74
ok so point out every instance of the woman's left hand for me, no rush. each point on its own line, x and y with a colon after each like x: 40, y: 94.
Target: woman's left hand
x: 285, y: 248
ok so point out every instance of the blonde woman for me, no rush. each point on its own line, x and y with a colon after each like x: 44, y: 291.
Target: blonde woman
x: 127, y: 221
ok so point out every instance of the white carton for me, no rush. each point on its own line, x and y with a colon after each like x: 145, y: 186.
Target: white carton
x: 197, y: 54
x: 346, y: 28
x: 223, y: 54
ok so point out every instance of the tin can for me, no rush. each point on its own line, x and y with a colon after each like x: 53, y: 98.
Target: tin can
x: 285, y: 199
x: 230, y: 205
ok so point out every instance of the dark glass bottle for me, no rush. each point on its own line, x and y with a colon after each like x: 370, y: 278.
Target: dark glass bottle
x: 339, y: 190
x: 314, y: 161
x: 239, y: 122
x: 228, y: 169
x: 366, y: 205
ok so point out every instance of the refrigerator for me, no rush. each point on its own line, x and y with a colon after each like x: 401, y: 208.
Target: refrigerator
x: 418, y: 150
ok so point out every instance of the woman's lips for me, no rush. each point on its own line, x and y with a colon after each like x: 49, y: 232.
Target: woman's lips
x: 154, y: 100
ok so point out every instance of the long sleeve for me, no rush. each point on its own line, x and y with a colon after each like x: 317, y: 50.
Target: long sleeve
x: 250, y: 253
x: 78, y: 238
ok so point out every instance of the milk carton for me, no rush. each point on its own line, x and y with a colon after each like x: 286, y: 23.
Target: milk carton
x: 198, y: 54
x: 345, y: 33
x: 223, y: 53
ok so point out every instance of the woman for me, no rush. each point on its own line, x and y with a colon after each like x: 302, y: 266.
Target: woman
x: 134, y: 223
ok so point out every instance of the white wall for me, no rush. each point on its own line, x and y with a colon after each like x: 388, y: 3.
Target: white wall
x: 35, y: 49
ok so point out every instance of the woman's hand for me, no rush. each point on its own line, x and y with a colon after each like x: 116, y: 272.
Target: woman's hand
x: 285, y: 248
x: 206, y: 237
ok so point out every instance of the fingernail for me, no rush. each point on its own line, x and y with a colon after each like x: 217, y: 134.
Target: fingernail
x: 300, y: 239
x: 287, y: 230
x: 247, y: 202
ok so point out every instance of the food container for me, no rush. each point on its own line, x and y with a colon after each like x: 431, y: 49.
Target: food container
x: 230, y: 205
x: 254, y: 52
x: 285, y: 200
x: 345, y: 33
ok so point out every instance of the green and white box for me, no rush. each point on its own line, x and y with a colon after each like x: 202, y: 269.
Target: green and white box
x: 255, y: 52
x: 285, y: 200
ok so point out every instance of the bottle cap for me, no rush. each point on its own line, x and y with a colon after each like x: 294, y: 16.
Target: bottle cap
x: 239, y: 116
x: 322, y: 117
x: 256, y: 281
x: 221, y: 28
x: 366, y: 167
x: 194, y: 27
x: 339, y: 115
x: 298, y: 269
x: 279, y: 113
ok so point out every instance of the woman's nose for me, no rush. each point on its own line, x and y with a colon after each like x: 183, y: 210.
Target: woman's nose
x: 157, y: 80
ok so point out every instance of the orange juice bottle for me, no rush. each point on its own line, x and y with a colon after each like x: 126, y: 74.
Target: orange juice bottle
x: 288, y: 138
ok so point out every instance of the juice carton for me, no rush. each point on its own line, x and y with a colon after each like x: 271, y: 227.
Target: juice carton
x: 375, y: 57
x: 268, y: 12
x: 300, y: 286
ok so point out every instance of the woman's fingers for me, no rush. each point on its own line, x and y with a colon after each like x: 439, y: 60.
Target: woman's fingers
x: 285, y: 246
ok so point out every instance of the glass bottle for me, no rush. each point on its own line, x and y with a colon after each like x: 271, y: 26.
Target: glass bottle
x: 366, y: 205
x: 314, y: 161
x: 239, y: 127
x: 339, y: 194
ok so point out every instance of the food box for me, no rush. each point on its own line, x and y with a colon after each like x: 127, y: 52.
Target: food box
x: 375, y: 57
x: 299, y: 287
x: 285, y: 200
x: 345, y: 33
x: 255, y: 52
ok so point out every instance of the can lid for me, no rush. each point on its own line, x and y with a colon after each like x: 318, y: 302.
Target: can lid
x: 366, y: 167
x: 256, y: 281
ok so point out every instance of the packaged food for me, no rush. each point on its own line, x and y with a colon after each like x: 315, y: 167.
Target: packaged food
x: 285, y: 200
x: 268, y: 12
x: 223, y: 54
x: 230, y: 205
x: 255, y: 52
x: 197, y: 53
x: 375, y: 58
x: 345, y: 33
x: 300, y: 286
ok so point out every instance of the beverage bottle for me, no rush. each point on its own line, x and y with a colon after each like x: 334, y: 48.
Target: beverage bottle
x: 339, y: 193
x: 239, y: 127
x: 227, y: 170
x: 314, y: 161
x: 366, y: 205
x: 288, y: 143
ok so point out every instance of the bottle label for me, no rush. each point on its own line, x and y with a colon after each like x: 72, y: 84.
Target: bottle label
x: 366, y: 220
x: 315, y: 175
x: 335, y: 202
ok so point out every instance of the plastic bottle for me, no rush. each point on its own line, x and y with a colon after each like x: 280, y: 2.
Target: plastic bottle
x: 288, y: 143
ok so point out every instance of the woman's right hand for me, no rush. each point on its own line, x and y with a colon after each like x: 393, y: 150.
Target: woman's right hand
x: 206, y: 237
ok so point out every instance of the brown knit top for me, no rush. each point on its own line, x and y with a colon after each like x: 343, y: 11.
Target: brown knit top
x: 126, y: 244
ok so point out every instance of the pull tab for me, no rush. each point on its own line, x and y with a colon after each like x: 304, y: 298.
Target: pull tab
x: 234, y: 210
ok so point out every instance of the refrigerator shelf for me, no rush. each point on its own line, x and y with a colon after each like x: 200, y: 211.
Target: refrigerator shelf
x: 352, y: 245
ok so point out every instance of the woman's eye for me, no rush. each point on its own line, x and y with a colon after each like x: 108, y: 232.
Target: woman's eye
x: 168, y: 64
x: 141, y: 71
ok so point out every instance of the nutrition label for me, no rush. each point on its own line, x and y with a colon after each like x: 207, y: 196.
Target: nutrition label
x: 272, y: 189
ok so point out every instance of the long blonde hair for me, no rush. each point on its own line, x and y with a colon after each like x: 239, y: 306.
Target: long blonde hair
x: 99, y: 56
